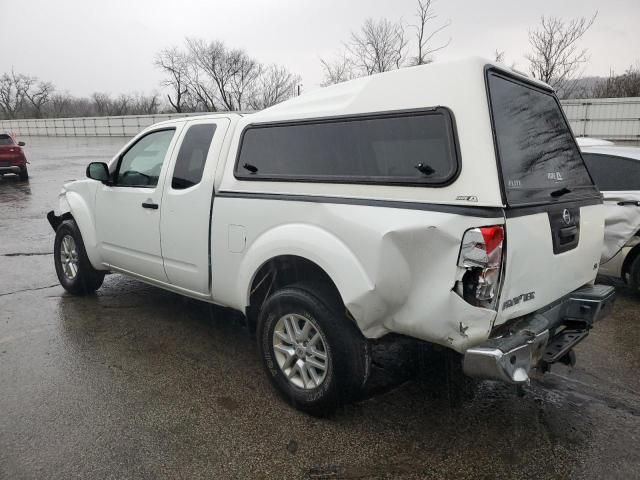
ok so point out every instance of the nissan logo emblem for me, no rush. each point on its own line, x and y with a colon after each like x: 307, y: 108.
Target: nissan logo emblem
x: 566, y: 216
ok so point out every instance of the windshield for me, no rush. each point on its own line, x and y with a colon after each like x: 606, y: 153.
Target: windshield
x: 539, y: 159
x: 5, y: 139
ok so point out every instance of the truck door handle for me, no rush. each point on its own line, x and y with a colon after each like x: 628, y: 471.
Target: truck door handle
x: 568, y: 232
x: 151, y: 205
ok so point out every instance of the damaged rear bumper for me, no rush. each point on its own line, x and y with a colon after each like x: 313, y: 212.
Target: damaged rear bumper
x: 541, y: 338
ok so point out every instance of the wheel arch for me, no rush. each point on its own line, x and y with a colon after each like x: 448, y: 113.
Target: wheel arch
x: 72, y: 206
x: 282, y: 271
x: 296, y: 253
x: 629, y: 259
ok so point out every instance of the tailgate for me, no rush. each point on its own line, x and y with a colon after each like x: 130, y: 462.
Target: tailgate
x: 550, y: 251
x: 554, y: 217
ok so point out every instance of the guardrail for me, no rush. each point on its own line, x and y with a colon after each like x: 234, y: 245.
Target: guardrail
x: 615, y: 119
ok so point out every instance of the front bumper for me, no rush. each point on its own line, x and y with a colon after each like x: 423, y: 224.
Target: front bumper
x: 541, y: 338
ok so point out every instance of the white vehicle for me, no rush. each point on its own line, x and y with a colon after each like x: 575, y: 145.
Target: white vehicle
x: 616, y: 172
x: 448, y: 203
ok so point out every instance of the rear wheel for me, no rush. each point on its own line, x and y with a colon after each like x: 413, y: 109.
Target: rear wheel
x: 24, y: 173
x: 74, y: 270
x: 316, y: 357
x: 634, y: 274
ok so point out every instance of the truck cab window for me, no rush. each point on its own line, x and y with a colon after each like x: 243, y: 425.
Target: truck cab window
x: 192, y: 156
x: 140, y: 166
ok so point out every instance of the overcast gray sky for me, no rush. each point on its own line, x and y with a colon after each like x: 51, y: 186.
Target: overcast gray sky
x: 88, y: 45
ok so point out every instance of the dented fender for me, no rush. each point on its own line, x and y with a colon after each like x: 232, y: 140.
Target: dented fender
x: 78, y: 200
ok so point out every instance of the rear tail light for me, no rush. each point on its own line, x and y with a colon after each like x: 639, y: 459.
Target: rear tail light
x: 481, y: 259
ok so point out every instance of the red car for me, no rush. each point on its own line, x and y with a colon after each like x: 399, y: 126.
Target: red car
x: 12, y: 159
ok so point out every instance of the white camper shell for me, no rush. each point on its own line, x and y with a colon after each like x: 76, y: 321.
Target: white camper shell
x: 447, y: 202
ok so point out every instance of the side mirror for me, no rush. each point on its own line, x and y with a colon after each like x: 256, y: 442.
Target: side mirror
x: 98, y: 171
x: 21, y: 144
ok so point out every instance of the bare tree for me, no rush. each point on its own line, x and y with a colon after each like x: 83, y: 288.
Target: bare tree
x: 102, y: 104
x: 379, y: 46
x: 498, y: 56
x: 13, y: 88
x: 121, y: 105
x: 220, y: 78
x: 625, y: 85
x: 66, y: 105
x: 141, y: 104
x: 382, y: 45
x: 202, y: 89
x: 338, y: 70
x: 275, y: 85
x: 60, y: 105
x: 212, y: 61
x: 174, y: 63
x: 39, y: 95
x: 424, y: 35
x: 243, y: 82
x: 555, y: 57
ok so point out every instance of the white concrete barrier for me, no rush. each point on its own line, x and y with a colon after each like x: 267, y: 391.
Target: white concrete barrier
x: 615, y: 119
x: 122, y: 126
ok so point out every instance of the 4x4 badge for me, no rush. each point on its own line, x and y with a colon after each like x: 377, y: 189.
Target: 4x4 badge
x: 566, y: 216
x: 523, y: 297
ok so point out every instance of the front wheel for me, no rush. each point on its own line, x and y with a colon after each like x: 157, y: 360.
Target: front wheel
x: 74, y: 270
x: 316, y: 357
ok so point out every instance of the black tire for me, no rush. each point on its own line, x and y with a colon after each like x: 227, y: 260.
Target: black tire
x: 634, y: 274
x: 87, y: 279
x: 24, y: 173
x: 348, y: 353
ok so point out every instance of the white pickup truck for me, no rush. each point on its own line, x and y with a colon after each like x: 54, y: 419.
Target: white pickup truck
x: 448, y: 203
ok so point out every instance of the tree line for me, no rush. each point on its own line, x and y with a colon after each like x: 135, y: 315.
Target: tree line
x: 25, y: 96
x: 200, y: 77
x: 210, y: 76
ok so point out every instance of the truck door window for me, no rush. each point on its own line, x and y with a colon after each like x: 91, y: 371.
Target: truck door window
x: 192, y: 156
x: 140, y: 165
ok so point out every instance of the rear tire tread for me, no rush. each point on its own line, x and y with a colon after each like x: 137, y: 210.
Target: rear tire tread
x: 634, y: 274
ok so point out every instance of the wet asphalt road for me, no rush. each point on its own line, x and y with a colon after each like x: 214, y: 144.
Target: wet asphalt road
x: 135, y: 382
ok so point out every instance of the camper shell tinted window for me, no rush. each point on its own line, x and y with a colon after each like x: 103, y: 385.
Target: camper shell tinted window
x: 415, y: 147
x: 539, y: 159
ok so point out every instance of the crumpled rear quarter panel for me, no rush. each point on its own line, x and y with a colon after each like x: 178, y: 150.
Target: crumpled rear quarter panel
x: 395, y: 268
